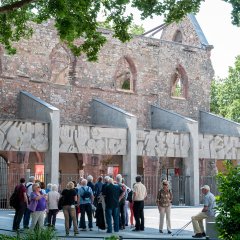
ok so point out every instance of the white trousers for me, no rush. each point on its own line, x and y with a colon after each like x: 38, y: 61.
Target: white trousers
x: 197, y: 222
x: 165, y: 211
x: 37, y: 217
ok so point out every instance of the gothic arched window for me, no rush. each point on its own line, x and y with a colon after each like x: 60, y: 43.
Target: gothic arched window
x: 125, y: 75
x: 179, y: 87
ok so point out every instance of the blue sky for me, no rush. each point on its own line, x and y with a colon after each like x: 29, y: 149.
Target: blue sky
x: 215, y: 20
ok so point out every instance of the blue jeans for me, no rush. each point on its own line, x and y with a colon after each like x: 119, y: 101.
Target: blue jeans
x: 112, y: 212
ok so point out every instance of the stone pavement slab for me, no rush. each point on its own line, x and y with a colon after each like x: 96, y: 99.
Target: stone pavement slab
x: 179, y: 217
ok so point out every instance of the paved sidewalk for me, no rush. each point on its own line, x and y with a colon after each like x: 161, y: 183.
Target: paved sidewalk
x: 180, y: 216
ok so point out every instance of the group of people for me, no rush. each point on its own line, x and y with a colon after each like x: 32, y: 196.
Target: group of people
x: 108, y: 200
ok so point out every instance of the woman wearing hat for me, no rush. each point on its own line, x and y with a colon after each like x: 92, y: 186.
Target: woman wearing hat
x: 164, y: 203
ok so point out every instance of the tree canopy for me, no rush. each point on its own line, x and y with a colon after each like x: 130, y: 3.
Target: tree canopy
x: 79, y: 18
x: 225, y: 94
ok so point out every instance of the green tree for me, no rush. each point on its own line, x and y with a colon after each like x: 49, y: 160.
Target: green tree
x: 228, y: 203
x: 225, y: 94
x: 78, y: 18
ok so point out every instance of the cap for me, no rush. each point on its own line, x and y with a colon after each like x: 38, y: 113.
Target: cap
x: 206, y: 187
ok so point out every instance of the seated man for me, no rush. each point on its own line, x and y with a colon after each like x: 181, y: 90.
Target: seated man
x: 207, y: 211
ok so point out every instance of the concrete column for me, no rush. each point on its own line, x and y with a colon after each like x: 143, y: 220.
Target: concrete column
x: 192, y: 164
x: 33, y: 108
x: 130, y: 160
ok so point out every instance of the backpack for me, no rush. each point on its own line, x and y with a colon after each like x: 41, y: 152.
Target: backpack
x: 86, y: 194
x: 14, y: 199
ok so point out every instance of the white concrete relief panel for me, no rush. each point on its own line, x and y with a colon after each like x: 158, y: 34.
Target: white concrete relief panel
x: 162, y: 144
x: 93, y: 140
x: 219, y: 147
x: 23, y: 136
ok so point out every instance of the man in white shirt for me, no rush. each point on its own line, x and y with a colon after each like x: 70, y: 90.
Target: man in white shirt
x: 207, y: 211
x: 139, y: 194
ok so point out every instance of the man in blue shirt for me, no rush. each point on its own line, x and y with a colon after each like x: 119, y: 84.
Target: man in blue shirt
x: 85, y: 205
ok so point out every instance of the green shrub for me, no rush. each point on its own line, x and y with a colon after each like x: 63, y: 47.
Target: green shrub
x: 228, y: 203
x: 5, y: 237
x: 113, y: 237
x: 40, y: 234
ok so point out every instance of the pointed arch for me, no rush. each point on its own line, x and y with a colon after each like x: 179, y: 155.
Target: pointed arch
x: 178, y: 37
x: 60, y: 59
x: 179, y: 85
x: 126, y: 74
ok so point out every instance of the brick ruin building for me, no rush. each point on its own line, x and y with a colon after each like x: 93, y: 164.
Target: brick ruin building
x: 142, y: 108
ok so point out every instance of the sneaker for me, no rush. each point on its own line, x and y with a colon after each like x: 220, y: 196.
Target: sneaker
x: 203, y: 234
x: 169, y: 232
x: 90, y: 229
x: 161, y: 231
x: 76, y: 233
x: 197, y: 235
x: 132, y: 226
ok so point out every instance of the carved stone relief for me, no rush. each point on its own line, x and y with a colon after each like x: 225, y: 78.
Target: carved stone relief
x: 23, y: 136
x: 60, y: 63
x: 162, y: 144
x: 219, y: 147
x: 93, y: 140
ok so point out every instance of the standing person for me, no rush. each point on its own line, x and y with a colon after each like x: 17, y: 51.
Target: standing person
x: 21, y: 206
x: 112, y: 193
x: 130, y: 200
x: 207, y: 211
x: 48, y: 189
x: 27, y: 212
x: 139, y: 194
x: 122, y: 199
x: 90, y: 183
x: 164, y: 202
x: 128, y: 190
x: 103, y: 197
x: 53, y: 198
x: 70, y: 199
x: 77, y: 208
x: 98, y: 190
x: 86, y: 200
x: 38, y: 213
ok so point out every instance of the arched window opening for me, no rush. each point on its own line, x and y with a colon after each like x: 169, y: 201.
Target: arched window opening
x: 178, y: 36
x: 125, y: 75
x: 179, y: 88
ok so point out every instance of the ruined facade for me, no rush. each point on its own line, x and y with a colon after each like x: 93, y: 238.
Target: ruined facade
x: 173, y: 73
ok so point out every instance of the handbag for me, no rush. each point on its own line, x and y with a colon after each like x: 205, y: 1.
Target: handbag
x: 33, y: 205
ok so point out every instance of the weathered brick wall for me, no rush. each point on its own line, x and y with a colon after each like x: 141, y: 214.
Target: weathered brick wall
x: 48, y: 70
x: 189, y: 35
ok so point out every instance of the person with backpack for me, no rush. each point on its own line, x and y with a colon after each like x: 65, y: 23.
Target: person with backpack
x: 27, y: 212
x: 86, y: 200
x: 19, y: 200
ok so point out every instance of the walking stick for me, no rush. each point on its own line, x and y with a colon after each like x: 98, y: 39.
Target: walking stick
x: 181, y: 229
